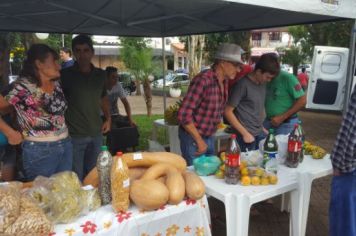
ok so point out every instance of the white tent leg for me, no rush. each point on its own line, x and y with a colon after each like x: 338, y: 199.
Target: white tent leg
x: 351, y: 66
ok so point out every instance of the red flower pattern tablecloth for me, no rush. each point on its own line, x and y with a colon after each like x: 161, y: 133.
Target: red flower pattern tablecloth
x: 190, y: 217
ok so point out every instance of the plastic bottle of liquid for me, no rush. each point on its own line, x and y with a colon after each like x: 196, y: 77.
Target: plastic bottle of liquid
x: 294, y: 148
x: 270, y: 147
x: 120, y: 184
x: 232, y: 162
x: 103, y: 165
x: 302, y: 134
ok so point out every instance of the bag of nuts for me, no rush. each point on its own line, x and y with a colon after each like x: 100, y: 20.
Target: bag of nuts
x: 31, y: 221
x: 9, y: 204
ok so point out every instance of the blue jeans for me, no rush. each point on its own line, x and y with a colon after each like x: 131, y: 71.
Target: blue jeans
x: 188, y: 146
x: 284, y: 128
x: 342, y: 211
x: 85, y: 154
x: 250, y: 146
x: 46, y: 158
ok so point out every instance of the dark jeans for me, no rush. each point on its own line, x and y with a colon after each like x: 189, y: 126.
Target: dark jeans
x: 250, y: 146
x: 188, y: 146
x: 85, y: 153
x: 46, y: 158
x: 342, y: 211
x: 284, y: 128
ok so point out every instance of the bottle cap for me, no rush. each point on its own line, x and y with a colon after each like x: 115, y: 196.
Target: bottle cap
x: 104, y: 148
x: 119, y: 154
x: 233, y: 136
x: 271, y: 130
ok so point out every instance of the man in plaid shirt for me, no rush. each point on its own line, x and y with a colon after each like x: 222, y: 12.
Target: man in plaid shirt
x: 342, y: 212
x: 204, y: 103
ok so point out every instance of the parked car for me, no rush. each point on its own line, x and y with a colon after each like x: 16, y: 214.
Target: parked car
x: 171, y: 79
x: 287, y: 68
x: 307, y: 68
x: 127, y: 81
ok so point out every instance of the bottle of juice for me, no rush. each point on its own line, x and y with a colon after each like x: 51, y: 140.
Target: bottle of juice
x: 232, y: 162
x: 120, y: 184
x: 294, y: 148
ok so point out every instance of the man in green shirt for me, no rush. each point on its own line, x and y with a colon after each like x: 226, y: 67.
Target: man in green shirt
x: 284, y: 98
x: 84, y: 88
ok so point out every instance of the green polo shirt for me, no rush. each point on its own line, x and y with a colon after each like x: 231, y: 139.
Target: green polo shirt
x: 281, y: 94
x: 83, y: 93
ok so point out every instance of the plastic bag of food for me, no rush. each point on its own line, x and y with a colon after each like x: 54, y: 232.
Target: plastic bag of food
x: 41, y: 195
x: 66, y: 205
x: 42, y: 181
x: 90, y: 199
x: 252, y: 158
x: 206, y: 165
x: 31, y: 221
x: 9, y: 204
x: 65, y: 180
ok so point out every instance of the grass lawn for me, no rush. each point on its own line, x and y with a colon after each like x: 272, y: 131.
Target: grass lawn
x: 145, y: 126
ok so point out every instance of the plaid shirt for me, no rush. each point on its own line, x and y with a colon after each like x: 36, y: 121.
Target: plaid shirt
x: 343, y: 156
x: 204, y: 103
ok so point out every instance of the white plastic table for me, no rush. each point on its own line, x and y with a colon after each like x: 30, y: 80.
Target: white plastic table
x: 174, y: 143
x: 309, y: 170
x: 238, y: 200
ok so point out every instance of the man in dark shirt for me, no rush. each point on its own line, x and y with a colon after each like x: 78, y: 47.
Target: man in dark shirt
x: 203, y: 106
x: 84, y: 88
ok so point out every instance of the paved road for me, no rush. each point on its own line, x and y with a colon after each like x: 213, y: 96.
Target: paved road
x: 320, y: 128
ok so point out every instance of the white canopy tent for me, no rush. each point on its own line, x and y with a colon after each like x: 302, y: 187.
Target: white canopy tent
x: 162, y: 18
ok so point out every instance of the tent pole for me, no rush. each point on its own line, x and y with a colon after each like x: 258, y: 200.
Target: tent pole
x: 164, y: 73
x: 351, y: 67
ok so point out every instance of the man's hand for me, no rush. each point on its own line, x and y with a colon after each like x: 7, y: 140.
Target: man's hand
x: 277, y: 120
x: 265, y: 131
x: 248, y: 138
x: 14, y: 137
x: 106, y: 127
x: 132, y: 123
x: 201, y: 148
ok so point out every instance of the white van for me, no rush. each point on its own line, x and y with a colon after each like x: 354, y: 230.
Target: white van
x: 327, y: 82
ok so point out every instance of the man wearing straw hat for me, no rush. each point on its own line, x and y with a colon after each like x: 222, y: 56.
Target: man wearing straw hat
x: 203, y: 106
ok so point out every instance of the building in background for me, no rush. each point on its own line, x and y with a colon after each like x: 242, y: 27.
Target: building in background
x: 107, y: 52
x: 268, y: 40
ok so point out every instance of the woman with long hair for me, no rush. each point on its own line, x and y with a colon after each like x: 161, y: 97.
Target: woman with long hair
x: 40, y: 104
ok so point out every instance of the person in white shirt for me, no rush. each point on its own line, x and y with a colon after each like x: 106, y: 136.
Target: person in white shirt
x: 114, y: 92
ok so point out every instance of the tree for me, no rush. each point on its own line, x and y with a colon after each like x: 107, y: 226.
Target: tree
x: 55, y: 41
x: 195, y: 45
x: 292, y: 56
x: 138, y: 59
x: 327, y: 34
x: 241, y: 38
